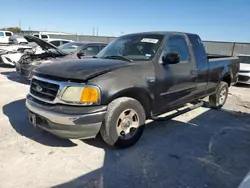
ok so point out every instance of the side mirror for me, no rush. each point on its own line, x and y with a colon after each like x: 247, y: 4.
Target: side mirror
x: 171, y: 58
x: 80, y: 54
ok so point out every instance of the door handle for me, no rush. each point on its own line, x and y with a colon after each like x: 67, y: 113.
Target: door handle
x: 193, y: 72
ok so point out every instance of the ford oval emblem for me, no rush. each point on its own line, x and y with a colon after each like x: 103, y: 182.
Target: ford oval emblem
x: 39, y: 88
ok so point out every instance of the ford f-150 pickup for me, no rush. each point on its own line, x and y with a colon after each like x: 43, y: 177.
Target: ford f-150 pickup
x: 136, y: 77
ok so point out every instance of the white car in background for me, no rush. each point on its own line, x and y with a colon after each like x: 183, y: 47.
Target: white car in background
x: 58, y: 42
x: 244, y: 73
x: 12, y: 53
x: 54, y: 41
x: 4, y: 36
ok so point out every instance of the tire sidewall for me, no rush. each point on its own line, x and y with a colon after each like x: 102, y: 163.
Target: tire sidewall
x: 222, y: 86
x: 112, y: 123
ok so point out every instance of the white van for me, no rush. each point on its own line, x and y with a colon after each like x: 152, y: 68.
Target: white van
x: 4, y: 36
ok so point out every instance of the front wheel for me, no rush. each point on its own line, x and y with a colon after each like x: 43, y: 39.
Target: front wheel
x: 218, y: 99
x: 124, y: 122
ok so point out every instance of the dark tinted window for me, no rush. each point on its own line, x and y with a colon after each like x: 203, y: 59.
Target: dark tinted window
x: 64, y: 42
x: 8, y: 34
x: 44, y: 36
x: 55, y: 42
x: 36, y: 36
x: 101, y: 47
x: 90, y: 50
x: 244, y: 59
x: 178, y: 44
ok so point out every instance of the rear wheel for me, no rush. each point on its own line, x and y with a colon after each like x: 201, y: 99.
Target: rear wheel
x: 218, y: 99
x: 124, y: 122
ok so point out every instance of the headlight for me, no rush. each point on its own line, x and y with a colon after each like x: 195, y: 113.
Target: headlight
x: 40, y: 62
x: 83, y: 95
x: 36, y: 63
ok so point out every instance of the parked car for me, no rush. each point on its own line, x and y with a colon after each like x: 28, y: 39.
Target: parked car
x: 54, y: 41
x: 244, y: 73
x: 10, y: 54
x: 15, y: 39
x: 135, y: 77
x: 4, y: 36
x: 58, y: 42
x: 84, y: 48
x: 71, y: 50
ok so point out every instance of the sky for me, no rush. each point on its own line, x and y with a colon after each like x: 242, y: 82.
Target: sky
x: 223, y: 20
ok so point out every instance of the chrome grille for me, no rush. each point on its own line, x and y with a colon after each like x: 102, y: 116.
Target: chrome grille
x: 43, y: 89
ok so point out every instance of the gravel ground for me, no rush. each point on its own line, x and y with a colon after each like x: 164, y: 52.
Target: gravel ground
x: 202, y: 148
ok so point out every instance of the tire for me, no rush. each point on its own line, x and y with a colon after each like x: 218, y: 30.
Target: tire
x: 215, y: 100
x: 109, y: 129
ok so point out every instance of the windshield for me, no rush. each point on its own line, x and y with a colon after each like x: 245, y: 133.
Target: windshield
x: 70, y: 47
x: 244, y: 59
x: 138, y: 47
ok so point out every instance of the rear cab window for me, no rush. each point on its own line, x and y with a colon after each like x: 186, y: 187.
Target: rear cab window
x: 1, y: 34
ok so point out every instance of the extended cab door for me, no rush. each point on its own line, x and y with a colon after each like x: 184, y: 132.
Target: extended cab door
x: 177, y: 81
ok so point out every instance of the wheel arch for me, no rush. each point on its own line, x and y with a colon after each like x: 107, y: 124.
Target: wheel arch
x: 137, y: 93
x: 227, y: 78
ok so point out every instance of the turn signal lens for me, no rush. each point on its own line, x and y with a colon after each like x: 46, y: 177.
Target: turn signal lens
x: 89, y: 95
x: 84, y: 95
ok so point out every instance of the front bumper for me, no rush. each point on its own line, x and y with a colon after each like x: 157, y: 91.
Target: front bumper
x: 25, y: 70
x: 244, y: 78
x: 66, y: 125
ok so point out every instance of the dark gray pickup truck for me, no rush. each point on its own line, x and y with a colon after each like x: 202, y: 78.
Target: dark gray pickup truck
x: 136, y: 77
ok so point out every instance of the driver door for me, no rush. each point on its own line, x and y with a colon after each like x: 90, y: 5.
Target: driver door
x: 178, y: 80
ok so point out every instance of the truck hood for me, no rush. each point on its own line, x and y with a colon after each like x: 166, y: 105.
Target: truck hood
x: 43, y: 44
x: 80, y: 69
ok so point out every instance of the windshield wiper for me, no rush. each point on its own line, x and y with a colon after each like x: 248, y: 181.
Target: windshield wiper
x: 118, y: 57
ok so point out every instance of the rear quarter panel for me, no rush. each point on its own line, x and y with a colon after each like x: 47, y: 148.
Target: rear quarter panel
x: 220, y: 68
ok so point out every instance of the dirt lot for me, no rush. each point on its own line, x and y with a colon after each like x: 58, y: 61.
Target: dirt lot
x: 203, y: 148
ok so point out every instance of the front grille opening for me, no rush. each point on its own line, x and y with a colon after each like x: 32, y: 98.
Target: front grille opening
x: 43, y: 89
x: 244, y: 78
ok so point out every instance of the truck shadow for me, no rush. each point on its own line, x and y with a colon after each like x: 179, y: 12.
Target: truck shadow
x: 242, y: 85
x: 13, y: 76
x: 212, y: 150
x: 16, y: 112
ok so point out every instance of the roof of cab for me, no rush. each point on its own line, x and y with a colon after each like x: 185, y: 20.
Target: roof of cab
x: 161, y: 33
